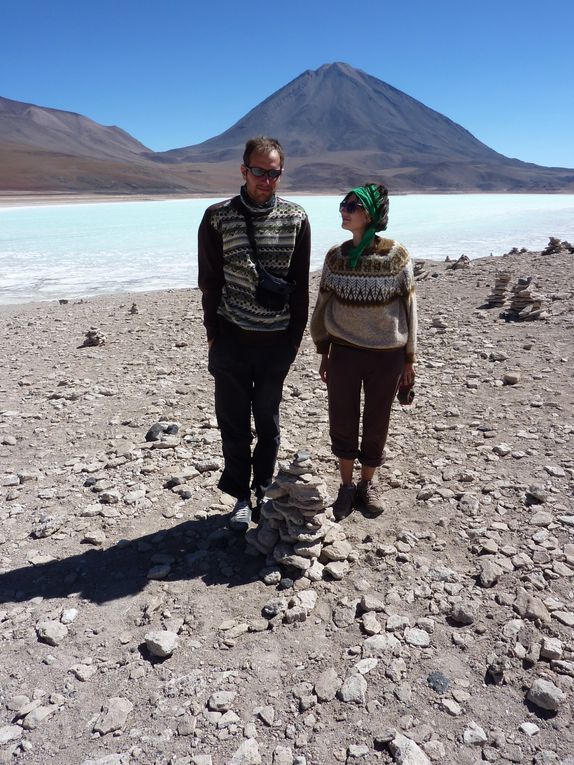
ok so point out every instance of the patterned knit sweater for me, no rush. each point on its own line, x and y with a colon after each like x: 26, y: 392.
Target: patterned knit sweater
x: 371, y: 306
x: 227, y: 276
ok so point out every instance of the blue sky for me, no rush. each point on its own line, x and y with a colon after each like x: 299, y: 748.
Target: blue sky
x: 177, y: 72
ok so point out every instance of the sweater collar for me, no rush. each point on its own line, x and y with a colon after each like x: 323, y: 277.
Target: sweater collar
x: 255, y: 208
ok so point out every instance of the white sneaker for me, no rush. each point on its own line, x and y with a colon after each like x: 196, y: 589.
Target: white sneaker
x: 241, y: 515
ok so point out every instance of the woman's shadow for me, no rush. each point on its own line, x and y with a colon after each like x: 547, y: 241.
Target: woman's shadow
x: 196, y: 549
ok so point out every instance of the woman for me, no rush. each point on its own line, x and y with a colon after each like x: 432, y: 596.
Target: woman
x: 364, y: 326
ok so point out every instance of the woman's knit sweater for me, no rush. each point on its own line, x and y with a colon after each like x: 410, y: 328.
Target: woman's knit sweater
x: 371, y: 306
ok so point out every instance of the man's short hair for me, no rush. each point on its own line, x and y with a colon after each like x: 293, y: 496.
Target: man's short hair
x: 263, y: 145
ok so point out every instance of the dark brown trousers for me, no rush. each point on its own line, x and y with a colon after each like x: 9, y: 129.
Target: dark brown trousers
x: 377, y: 373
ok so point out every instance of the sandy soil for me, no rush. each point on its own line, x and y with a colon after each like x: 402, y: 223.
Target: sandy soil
x: 468, y: 573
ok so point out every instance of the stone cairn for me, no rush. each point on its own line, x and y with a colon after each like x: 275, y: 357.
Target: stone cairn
x: 93, y: 337
x: 526, y: 304
x: 555, y: 247
x: 497, y: 297
x: 296, y: 529
x: 462, y: 262
x: 420, y: 270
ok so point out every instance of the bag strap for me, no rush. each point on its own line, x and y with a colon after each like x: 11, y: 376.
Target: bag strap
x: 239, y: 207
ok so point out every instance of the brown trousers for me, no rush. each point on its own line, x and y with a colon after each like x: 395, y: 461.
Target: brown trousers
x: 378, y: 373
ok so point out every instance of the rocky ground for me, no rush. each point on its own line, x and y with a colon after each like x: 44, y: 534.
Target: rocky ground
x: 448, y: 636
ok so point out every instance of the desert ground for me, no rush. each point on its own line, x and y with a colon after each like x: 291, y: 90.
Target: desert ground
x: 135, y: 627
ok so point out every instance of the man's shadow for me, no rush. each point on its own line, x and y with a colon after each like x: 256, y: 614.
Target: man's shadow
x: 197, y: 549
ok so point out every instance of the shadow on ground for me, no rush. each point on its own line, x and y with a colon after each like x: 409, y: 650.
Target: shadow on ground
x: 197, y: 549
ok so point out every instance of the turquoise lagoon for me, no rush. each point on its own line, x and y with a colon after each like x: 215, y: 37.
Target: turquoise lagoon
x: 79, y: 250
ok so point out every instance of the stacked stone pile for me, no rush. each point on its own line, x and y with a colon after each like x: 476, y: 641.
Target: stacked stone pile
x: 297, y: 529
x: 526, y: 304
x: 94, y: 338
x: 555, y: 247
x: 420, y: 270
x: 497, y: 297
x: 462, y: 262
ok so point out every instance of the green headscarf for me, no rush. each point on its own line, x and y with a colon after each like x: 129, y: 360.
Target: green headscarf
x: 376, y: 204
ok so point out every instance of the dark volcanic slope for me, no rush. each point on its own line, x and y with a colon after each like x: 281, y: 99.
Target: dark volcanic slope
x: 338, y: 108
x: 66, y: 132
x: 340, y: 125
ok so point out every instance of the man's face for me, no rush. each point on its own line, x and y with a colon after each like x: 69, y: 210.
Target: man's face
x: 261, y: 189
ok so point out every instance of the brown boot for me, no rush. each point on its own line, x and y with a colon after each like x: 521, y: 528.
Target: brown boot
x: 343, y: 505
x: 369, y: 495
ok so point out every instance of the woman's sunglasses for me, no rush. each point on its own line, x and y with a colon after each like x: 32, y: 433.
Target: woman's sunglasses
x: 350, y: 207
x: 259, y: 172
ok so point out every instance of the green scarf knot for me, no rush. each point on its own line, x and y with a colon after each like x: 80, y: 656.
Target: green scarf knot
x: 373, y: 201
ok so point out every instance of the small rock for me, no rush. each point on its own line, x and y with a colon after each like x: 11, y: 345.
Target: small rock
x: 537, y: 492
x: 546, y: 695
x: 452, y: 707
x: 366, y: 665
x: 83, y: 672
x: 94, y: 537
x: 371, y: 602
x: 327, y: 685
x: 156, y: 431
x: 474, y: 735
x: 438, y: 682
x: 380, y: 646
x: 407, y: 752
x: 529, y: 728
x: 186, y: 727
x: 160, y: 571
x: 282, y: 755
x: 161, y: 643
x: 69, y: 615
x: 551, y: 648
x: 496, y: 669
x: 463, y: 613
x: 51, y: 632
x: 353, y: 690
x: 489, y: 573
x: 246, y: 754
x: 36, y: 716
x: 337, y: 569
x: 221, y: 701
x: 358, y: 751
x: 530, y: 607
x: 267, y: 715
x: 371, y: 625
x: 10, y: 733
x: 416, y: 637
x: 114, y: 715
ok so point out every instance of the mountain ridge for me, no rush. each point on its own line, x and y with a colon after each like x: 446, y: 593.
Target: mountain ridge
x: 338, y: 125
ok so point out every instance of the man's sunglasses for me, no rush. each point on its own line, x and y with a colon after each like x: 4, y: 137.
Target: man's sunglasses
x: 259, y: 172
x: 350, y: 207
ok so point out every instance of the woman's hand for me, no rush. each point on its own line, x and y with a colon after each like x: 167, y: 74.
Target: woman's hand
x: 408, y: 377
x: 323, y: 367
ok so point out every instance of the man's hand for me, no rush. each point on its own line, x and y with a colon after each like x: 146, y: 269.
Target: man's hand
x: 323, y: 367
x: 408, y: 377
x: 210, y: 343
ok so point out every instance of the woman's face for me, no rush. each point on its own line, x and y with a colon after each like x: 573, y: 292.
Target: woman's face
x: 354, y: 217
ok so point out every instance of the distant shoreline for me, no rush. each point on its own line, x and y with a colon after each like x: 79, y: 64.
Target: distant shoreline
x: 132, y: 296
x: 21, y: 199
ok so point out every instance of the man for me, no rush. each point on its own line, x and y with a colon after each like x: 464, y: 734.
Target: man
x: 252, y: 345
